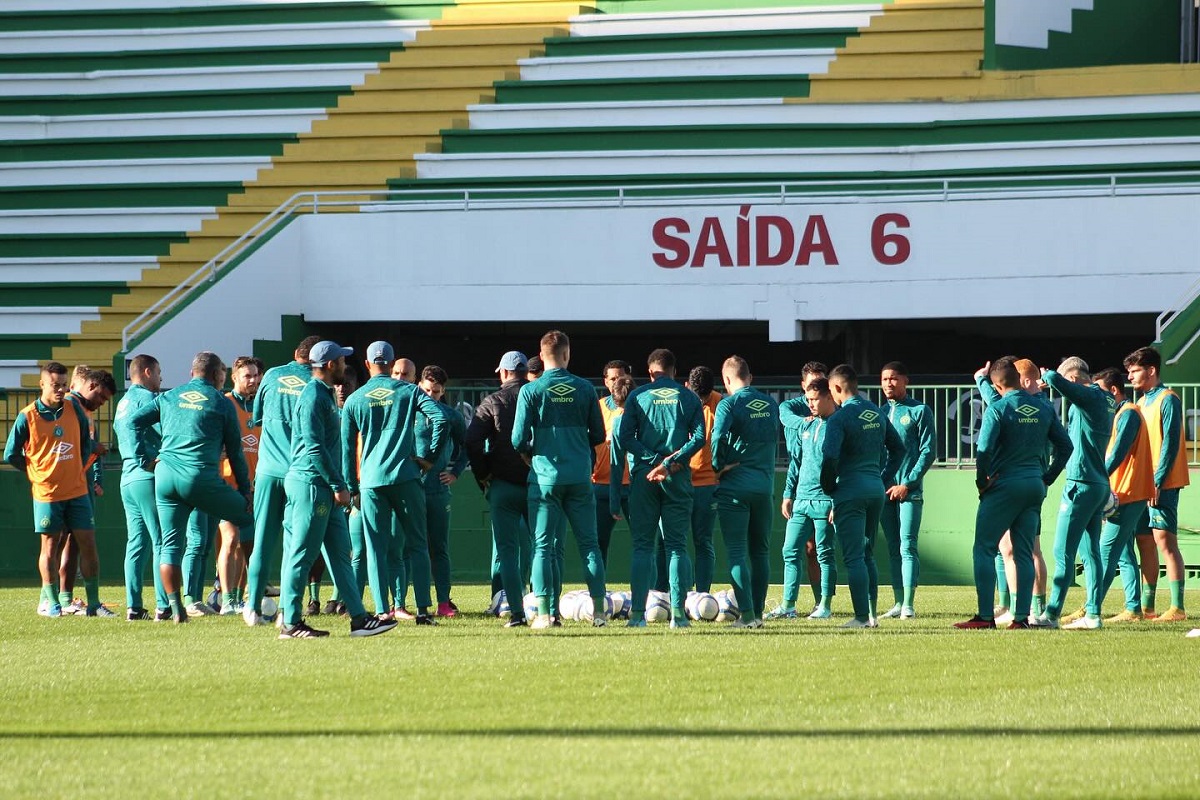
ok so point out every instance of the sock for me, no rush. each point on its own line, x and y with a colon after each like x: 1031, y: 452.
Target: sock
x: 1002, y: 583
x: 1177, y: 594
x: 239, y: 594
x: 543, y: 606
x: 637, y: 616
x: 48, y: 593
x: 1148, y: 590
x: 91, y: 586
x: 598, y: 608
x: 228, y: 598
x: 909, y: 594
x: 175, y: 603
x: 314, y: 592
x: 788, y: 606
x: 64, y: 598
x: 1039, y: 604
x: 825, y: 601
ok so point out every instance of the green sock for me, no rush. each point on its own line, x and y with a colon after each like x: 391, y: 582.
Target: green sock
x: 825, y: 601
x: 1177, y: 594
x: 1148, y: 590
x: 174, y: 602
x: 228, y: 598
x: 91, y: 586
x: 64, y: 598
x: 314, y: 592
x: 679, y: 613
x: 239, y: 594
x: 1039, y: 604
x: 543, y: 606
x: 48, y: 593
x: 598, y: 608
x: 188, y: 599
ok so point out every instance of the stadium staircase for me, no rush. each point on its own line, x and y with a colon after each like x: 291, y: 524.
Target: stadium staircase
x: 141, y: 137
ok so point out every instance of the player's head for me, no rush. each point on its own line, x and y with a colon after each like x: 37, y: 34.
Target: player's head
x: 433, y: 381
x: 555, y: 349
x: 819, y: 397
x: 1143, y: 366
x: 346, y: 386
x: 701, y: 381
x: 328, y: 361
x: 246, y: 375
x: 77, y: 376
x: 1112, y: 380
x: 615, y: 369
x: 96, y: 388
x: 893, y: 379
x: 1075, y: 369
x: 1030, y: 375
x: 144, y: 370
x: 405, y: 369
x: 843, y: 383
x: 812, y: 369
x: 513, y: 366
x: 536, y: 368
x: 304, y: 349
x: 622, y: 386
x: 1004, y: 375
x: 53, y: 382
x: 381, y: 358
x: 661, y: 360
x: 208, y: 366
x: 735, y: 373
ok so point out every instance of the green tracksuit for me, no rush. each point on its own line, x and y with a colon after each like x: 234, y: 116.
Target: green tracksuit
x: 312, y: 523
x: 450, y: 457
x: 201, y: 533
x: 902, y: 519
x: 856, y: 438
x: 358, y: 555
x: 558, y: 423
x: 381, y: 418
x: 810, y: 511
x: 273, y: 407
x: 1012, y: 481
x: 196, y: 421
x: 663, y: 423
x: 144, y: 536
x: 793, y: 414
x: 745, y: 435
x: 1089, y: 424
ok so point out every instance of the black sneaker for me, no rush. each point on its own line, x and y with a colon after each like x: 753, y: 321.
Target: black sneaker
x: 369, y: 625
x: 137, y: 615
x: 181, y: 617
x: 341, y: 610
x: 516, y: 622
x: 313, y: 609
x: 453, y: 607
x: 426, y: 619
x: 556, y: 621
x: 162, y: 615
x: 330, y: 608
x: 300, y: 631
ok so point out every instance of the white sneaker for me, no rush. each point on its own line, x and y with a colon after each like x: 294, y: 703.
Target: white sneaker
x: 747, y: 624
x: 1194, y: 633
x: 907, y: 613
x: 230, y: 609
x: 74, y: 608
x: 252, y: 617
x: 1005, y: 619
x: 858, y: 623
x: 44, y: 608
x: 999, y: 611
x: 1084, y: 623
x: 541, y: 622
x: 199, y: 609
x: 892, y: 613
x: 820, y: 613
x: 1044, y: 621
x: 102, y: 611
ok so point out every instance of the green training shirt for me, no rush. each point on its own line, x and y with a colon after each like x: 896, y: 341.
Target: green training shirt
x: 857, y: 436
x: 805, y: 456
x: 317, y: 438
x: 746, y: 433
x: 1089, y: 424
x: 1013, y: 440
x: 660, y: 419
x: 131, y: 469
x: 558, y: 424
x: 914, y: 422
x: 274, y: 405
x: 383, y: 412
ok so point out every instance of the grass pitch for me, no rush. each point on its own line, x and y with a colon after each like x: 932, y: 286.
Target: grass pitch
x: 94, y: 708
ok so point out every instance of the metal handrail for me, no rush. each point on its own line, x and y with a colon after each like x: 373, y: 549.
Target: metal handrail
x: 932, y: 189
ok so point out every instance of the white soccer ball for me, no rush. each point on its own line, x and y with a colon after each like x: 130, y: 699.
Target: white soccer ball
x: 1112, y: 505
x: 269, y: 607
x: 658, y: 607
x: 531, y: 605
x: 689, y: 605
x: 707, y: 607
x: 616, y: 604
x: 503, y: 609
x: 571, y: 605
x: 494, y: 608
x: 587, y: 609
x: 727, y: 604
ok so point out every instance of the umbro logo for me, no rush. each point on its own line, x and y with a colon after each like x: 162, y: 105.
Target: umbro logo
x: 868, y: 416
x: 1026, y: 410
x: 561, y: 389
x: 665, y: 393
x: 250, y: 440
x: 757, y: 405
x: 193, y: 397
x: 380, y: 393
x: 62, y: 448
x: 291, y: 382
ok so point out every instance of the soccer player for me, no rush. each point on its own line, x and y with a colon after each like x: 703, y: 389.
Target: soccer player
x: 704, y: 481
x: 792, y: 414
x: 1130, y: 471
x: 69, y: 557
x: 197, y: 422
x: 536, y: 368
x: 405, y: 369
x: 1089, y: 424
x: 277, y: 394
x: 807, y: 507
x: 231, y: 562
x: 49, y: 442
x: 314, y: 485
x: 610, y: 410
x: 503, y: 475
x: 1163, y: 413
x: 744, y: 437
x: 901, y: 519
x: 144, y: 536
x: 1012, y: 480
x: 557, y: 424
x: 661, y: 429
x: 855, y: 438
x: 358, y: 552
x: 378, y: 434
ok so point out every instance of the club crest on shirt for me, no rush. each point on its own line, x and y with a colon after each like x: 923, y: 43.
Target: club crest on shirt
x: 906, y: 420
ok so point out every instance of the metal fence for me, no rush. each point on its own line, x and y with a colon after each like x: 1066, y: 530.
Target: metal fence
x: 957, y: 410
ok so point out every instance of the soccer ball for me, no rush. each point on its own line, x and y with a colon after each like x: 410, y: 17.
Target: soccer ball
x: 689, y: 605
x: 727, y: 604
x: 658, y: 607
x: 1112, y: 505
x: 214, y: 599
x: 587, y: 608
x: 617, y: 605
x: 571, y: 604
x: 707, y: 607
x: 530, y: 602
x: 269, y: 607
x: 493, y: 610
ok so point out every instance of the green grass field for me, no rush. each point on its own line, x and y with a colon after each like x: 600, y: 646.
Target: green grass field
x: 93, y: 708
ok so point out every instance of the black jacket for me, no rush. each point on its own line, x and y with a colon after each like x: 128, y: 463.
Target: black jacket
x: 489, y: 437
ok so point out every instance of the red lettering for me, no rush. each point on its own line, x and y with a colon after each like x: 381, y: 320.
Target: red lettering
x: 743, y: 237
x: 711, y: 242
x: 762, y: 241
x: 816, y: 240
x: 676, y: 247
x: 881, y: 240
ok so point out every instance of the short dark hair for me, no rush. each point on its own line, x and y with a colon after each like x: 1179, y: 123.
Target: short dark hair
x: 535, y: 365
x: 844, y: 373
x: 207, y: 364
x: 140, y: 363
x: 554, y: 343
x: 101, y: 378
x: 1004, y: 372
x: 617, y: 363
x: 701, y: 381
x: 54, y: 368
x: 621, y: 389
x: 813, y: 368
x: 435, y: 374
x: 739, y: 366
x: 245, y: 361
x: 818, y: 385
x: 896, y: 367
x: 305, y: 347
x: 79, y: 372
x: 350, y: 376
x: 1143, y: 357
x: 662, y: 357
x: 1111, y: 377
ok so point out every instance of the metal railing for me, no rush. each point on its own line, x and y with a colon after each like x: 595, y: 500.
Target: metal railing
x: 830, y: 191
x: 957, y: 411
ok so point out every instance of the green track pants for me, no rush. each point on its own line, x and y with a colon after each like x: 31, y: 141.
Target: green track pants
x: 1080, y: 520
x: 314, y: 525
x: 1013, y: 505
x: 270, y: 503
x: 144, y: 538
x: 551, y: 507
x: 664, y: 507
x: 511, y: 542
x: 746, y: 519
x: 901, y: 523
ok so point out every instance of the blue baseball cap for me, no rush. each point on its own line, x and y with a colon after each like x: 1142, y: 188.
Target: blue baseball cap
x: 324, y: 352
x: 513, y: 361
x: 380, y: 353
